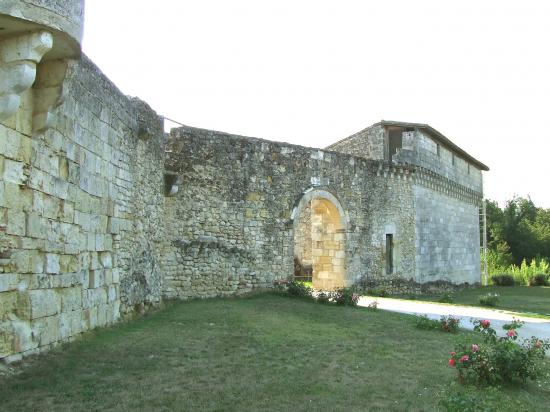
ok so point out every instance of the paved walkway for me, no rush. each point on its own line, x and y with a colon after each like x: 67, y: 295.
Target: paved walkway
x: 532, y: 327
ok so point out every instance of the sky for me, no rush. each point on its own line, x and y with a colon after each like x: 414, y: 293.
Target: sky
x: 313, y: 72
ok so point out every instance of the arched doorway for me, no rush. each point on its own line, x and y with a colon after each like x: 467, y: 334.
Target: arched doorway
x: 319, y: 224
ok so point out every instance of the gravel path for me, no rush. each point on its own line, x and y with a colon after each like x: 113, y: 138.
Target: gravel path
x: 532, y: 327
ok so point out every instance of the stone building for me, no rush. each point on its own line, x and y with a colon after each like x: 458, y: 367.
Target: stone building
x: 102, y: 214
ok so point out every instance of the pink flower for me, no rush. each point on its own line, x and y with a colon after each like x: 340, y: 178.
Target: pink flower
x: 475, y: 348
x: 452, y: 362
x: 538, y: 344
x: 485, y: 323
x: 465, y: 358
x: 453, y: 353
x: 511, y: 333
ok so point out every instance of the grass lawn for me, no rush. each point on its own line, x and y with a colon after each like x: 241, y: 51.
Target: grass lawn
x: 535, y: 300
x: 262, y: 353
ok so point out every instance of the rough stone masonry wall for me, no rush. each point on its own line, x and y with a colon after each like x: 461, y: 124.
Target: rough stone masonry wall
x: 424, y: 152
x: 80, y: 210
x: 447, y: 238
x: 447, y: 192
x: 228, y: 228
x: 368, y: 143
x: 302, y: 238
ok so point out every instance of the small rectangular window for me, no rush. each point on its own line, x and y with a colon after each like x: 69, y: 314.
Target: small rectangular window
x: 170, y: 184
x: 395, y: 141
x: 438, y: 150
x: 389, y: 254
x: 453, y: 159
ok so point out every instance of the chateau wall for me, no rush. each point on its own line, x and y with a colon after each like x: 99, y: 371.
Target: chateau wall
x: 93, y: 226
x: 302, y: 237
x: 368, y: 143
x: 447, y: 238
x: 422, y: 150
x: 66, y: 16
x: 229, y: 227
x: 80, y: 214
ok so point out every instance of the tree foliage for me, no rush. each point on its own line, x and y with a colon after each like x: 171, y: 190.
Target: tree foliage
x: 519, y: 231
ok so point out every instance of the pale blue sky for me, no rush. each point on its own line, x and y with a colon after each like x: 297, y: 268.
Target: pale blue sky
x: 313, y: 72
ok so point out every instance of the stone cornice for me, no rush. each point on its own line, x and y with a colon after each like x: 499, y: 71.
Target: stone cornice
x: 19, y: 57
x: 431, y: 180
x: 47, y: 92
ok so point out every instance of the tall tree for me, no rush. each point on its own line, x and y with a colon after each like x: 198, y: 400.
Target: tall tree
x: 518, y: 231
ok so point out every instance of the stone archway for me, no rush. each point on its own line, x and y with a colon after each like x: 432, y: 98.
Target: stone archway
x: 319, y: 240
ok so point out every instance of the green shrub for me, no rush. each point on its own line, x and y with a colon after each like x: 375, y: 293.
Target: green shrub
x: 424, y: 322
x: 299, y: 290
x: 445, y: 324
x: 539, y: 280
x: 447, y: 297
x: 345, y: 296
x: 449, y: 324
x: 490, y: 299
x: 524, y: 272
x: 292, y: 288
x: 493, y: 360
x: 503, y: 280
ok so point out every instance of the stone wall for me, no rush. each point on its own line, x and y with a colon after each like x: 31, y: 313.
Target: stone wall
x: 101, y: 216
x: 447, y: 238
x: 302, y: 237
x: 425, y: 152
x: 368, y: 143
x: 418, y: 148
x: 66, y: 16
x: 230, y: 225
x: 80, y: 214
x: 447, y: 190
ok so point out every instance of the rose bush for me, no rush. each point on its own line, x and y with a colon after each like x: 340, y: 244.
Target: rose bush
x: 496, y: 360
x: 445, y: 323
x: 297, y: 289
x: 346, y: 296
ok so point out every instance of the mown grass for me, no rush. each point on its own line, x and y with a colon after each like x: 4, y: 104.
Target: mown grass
x: 528, y: 299
x: 262, y: 353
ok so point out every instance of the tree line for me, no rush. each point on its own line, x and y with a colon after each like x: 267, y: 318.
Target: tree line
x: 517, y: 235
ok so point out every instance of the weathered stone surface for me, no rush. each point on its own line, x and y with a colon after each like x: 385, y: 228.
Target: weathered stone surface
x: 44, y: 302
x: 79, y: 209
x: 71, y: 299
x: 101, y: 215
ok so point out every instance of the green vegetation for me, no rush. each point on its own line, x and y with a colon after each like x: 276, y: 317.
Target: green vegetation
x: 445, y: 324
x: 263, y: 353
x: 303, y: 290
x: 489, y: 299
x: 518, y: 240
x: 518, y: 298
x: 491, y: 360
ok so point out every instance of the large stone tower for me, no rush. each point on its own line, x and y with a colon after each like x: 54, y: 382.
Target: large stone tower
x: 37, y: 37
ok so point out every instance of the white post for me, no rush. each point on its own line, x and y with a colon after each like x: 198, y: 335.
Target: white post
x: 485, y: 263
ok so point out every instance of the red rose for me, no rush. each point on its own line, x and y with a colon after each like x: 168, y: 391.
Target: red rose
x: 452, y: 362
